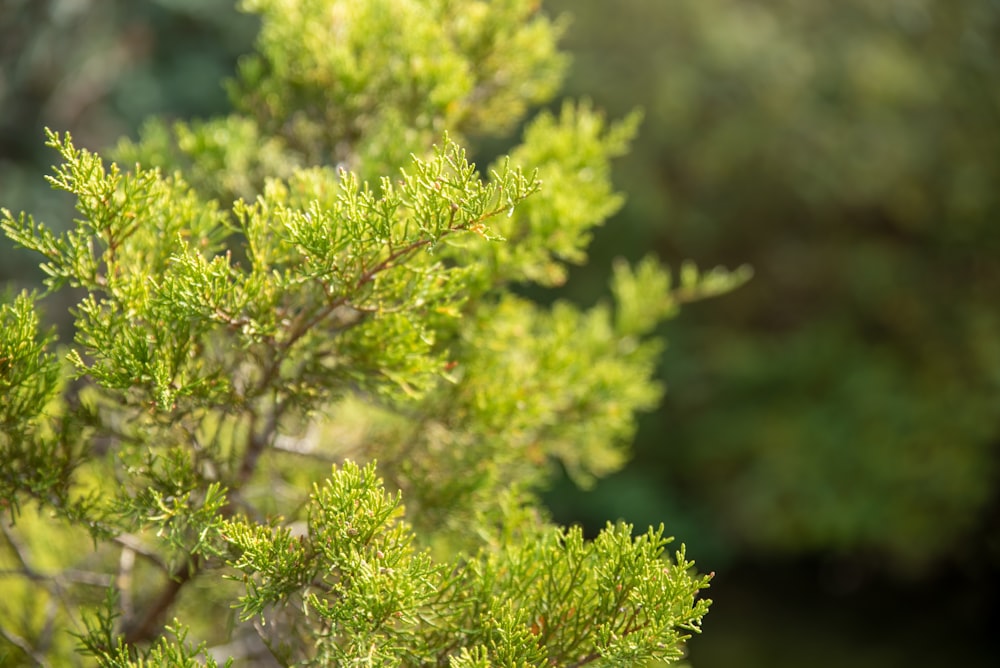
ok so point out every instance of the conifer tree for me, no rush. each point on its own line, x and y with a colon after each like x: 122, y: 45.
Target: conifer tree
x: 303, y: 416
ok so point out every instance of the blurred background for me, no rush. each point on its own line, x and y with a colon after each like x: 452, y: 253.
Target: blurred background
x: 830, y: 440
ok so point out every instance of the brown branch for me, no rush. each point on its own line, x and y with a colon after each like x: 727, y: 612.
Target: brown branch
x: 258, y: 441
x: 590, y: 658
x: 147, y: 627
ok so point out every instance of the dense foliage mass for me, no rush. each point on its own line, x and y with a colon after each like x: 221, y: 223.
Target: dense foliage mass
x: 302, y: 415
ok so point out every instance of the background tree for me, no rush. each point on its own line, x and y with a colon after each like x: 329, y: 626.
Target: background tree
x: 840, y: 412
x: 318, y: 279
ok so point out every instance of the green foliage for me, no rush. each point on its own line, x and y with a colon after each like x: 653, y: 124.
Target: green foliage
x: 372, y: 92
x: 340, y: 83
x: 572, y: 153
x: 38, y: 445
x: 226, y: 355
x: 29, y: 375
x: 541, y: 597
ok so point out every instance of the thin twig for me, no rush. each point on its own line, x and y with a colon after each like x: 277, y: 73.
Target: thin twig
x: 21, y: 553
x: 257, y: 442
x: 23, y: 645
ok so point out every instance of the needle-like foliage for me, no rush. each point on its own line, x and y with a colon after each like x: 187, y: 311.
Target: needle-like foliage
x: 259, y: 320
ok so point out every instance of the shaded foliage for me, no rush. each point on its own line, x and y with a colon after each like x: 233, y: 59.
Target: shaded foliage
x: 848, y: 152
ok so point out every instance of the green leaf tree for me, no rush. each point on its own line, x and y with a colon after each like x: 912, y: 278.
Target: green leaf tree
x: 303, y: 416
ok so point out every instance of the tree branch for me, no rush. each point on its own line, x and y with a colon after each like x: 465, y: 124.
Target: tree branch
x: 24, y: 646
x: 147, y: 627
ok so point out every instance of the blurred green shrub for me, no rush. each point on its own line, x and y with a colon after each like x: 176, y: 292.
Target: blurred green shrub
x: 850, y: 152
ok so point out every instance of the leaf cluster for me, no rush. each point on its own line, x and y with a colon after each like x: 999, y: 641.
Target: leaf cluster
x: 547, y: 598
